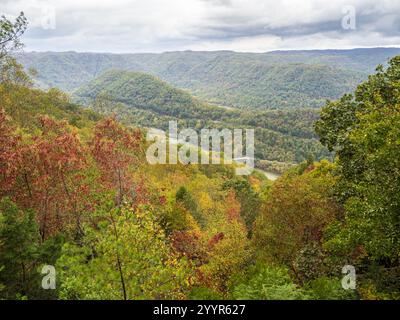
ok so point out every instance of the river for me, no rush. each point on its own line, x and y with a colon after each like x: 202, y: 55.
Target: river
x: 270, y: 175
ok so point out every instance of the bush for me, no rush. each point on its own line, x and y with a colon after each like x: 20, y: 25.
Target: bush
x: 269, y: 283
x: 325, y: 288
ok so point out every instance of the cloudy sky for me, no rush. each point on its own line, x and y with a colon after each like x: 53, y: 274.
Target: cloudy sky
x: 240, y: 25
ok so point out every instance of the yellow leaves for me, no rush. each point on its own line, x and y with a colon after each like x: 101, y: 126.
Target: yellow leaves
x: 205, y: 201
x: 296, y: 213
x: 255, y: 183
x: 368, y: 291
x: 192, y: 224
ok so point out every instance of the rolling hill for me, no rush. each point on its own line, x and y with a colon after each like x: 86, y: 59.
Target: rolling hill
x: 143, y: 91
x: 279, y: 79
x: 143, y: 100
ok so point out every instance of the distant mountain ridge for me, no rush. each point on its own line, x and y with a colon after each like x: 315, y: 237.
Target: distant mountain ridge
x: 273, y: 80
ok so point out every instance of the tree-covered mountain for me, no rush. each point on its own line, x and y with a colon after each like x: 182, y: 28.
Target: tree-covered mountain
x: 143, y: 100
x: 144, y: 91
x: 279, y: 79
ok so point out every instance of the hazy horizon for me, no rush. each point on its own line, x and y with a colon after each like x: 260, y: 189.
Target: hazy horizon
x: 211, y: 51
x: 256, y: 26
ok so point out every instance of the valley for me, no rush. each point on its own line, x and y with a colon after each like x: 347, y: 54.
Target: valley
x: 276, y: 93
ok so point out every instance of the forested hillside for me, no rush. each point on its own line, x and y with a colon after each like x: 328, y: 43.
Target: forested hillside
x: 293, y: 79
x: 143, y: 91
x: 145, y: 101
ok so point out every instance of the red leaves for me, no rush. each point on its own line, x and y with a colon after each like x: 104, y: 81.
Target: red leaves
x: 9, y: 154
x: 53, y: 173
x: 115, y: 150
x: 58, y: 150
x: 215, y: 239
x: 163, y: 200
x: 141, y: 195
x: 233, y: 207
x: 50, y: 178
x: 48, y: 172
x: 191, y: 245
x: 188, y: 244
x: 114, y: 146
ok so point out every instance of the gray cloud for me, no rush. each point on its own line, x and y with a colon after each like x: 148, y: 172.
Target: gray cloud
x: 242, y: 25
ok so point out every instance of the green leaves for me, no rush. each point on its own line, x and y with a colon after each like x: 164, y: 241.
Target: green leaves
x: 269, y: 283
x: 128, y: 258
x: 10, y: 33
x: 364, y: 130
x: 19, y: 249
x: 325, y: 288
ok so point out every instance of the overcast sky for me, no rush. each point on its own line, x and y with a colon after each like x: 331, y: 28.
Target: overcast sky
x: 171, y: 25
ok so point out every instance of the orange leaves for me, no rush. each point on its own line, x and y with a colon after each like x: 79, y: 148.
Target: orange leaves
x: 295, y: 215
x: 233, y: 207
x: 57, y: 149
x: 114, y: 146
x: 48, y: 175
x: 115, y: 149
